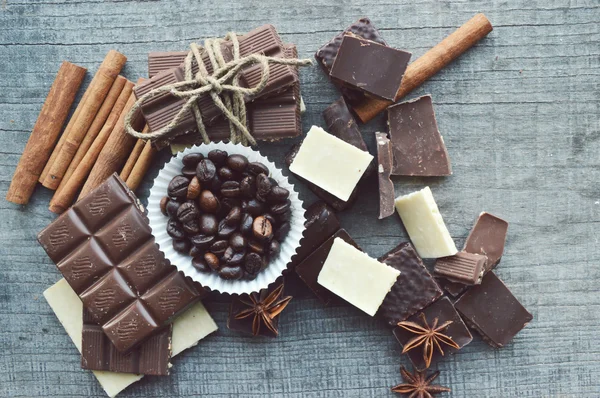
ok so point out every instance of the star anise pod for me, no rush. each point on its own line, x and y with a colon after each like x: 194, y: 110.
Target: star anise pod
x: 418, y: 385
x: 428, y: 336
x: 264, y: 310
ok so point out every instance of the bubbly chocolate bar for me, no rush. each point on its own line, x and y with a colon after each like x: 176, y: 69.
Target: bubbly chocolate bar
x: 105, y: 250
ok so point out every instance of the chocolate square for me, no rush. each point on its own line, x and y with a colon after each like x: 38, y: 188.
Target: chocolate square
x: 171, y: 295
x: 85, y: 266
x: 63, y: 236
x: 487, y: 237
x: 106, y: 297
x: 146, y: 268
x: 131, y: 326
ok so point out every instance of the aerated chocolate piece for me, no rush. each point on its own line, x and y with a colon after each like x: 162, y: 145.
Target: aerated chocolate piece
x: 369, y: 66
x: 463, y: 267
x: 104, y: 248
x: 487, y: 237
x: 414, y: 289
x: 309, y: 269
x: 149, y: 358
x: 387, y: 195
x: 417, y: 145
x: 327, y: 53
x: 493, y: 311
x: 444, y: 311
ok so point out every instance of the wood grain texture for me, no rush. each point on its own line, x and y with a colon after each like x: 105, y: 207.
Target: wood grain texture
x: 520, y: 117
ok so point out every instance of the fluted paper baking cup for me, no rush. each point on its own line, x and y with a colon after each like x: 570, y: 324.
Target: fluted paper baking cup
x: 158, y: 223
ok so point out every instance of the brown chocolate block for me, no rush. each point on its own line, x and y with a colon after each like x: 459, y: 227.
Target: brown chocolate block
x: 493, y: 311
x: 443, y: 311
x: 414, y: 289
x: 454, y: 289
x: 369, y: 66
x: 417, y: 145
x: 309, y: 269
x: 487, y: 237
x: 385, y: 161
x: 463, y: 267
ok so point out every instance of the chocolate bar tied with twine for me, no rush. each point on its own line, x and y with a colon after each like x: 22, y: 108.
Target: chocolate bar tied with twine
x: 223, y: 86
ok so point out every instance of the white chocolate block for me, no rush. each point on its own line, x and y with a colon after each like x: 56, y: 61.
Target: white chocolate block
x: 188, y: 329
x: 330, y: 163
x: 357, y: 278
x: 425, y: 225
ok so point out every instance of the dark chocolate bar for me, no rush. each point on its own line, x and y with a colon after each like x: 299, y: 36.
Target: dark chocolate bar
x: 149, y: 358
x: 371, y: 67
x: 443, y: 311
x: 414, y: 289
x: 309, y: 269
x: 454, y: 289
x: 159, y: 61
x: 488, y: 237
x: 105, y: 250
x: 385, y: 161
x: 463, y: 267
x: 417, y: 145
x: 328, y: 52
x: 493, y: 311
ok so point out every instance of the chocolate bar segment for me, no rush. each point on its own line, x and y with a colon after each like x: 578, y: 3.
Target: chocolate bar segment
x: 453, y: 289
x: 443, y: 311
x: 370, y: 67
x: 487, y: 237
x: 159, y: 61
x: 414, y: 289
x: 104, y: 248
x: 418, y: 147
x: 463, y: 267
x: 328, y: 52
x: 387, y: 194
x: 493, y: 311
x: 98, y: 353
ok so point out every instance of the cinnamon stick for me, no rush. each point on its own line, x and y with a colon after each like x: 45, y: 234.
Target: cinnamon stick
x: 133, y: 157
x: 114, y: 153
x: 430, y: 63
x: 141, y: 166
x: 97, y: 124
x: 98, y: 90
x: 67, y: 191
x: 45, y: 132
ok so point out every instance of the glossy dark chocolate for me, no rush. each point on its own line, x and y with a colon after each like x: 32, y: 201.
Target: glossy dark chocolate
x: 385, y: 161
x: 487, y: 237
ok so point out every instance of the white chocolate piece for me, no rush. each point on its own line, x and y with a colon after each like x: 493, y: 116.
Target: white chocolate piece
x: 188, y: 329
x: 357, y: 278
x: 330, y: 163
x: 176, y: 148
x: 302, y: 106
x: 425, y: 225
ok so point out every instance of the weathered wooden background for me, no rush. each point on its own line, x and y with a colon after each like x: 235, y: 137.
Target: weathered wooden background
x: 520, y: 117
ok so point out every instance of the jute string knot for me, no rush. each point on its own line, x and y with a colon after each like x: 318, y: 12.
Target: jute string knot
x: 223, y: 86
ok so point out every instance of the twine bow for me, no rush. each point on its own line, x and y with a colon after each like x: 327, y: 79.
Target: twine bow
x: 222, y: 86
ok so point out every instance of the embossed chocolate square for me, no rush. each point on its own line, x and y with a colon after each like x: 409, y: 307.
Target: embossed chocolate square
x: 104, y: 248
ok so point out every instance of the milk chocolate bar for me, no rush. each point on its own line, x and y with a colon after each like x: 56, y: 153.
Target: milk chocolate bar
x: 105, y: 250
x: 487, y: 237
x: 467, y: 268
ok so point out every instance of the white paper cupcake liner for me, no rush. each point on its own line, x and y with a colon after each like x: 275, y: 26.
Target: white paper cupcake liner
x: 158, y: 223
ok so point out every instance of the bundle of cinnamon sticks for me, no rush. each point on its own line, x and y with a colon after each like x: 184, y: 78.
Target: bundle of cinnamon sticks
x: 93, y: 144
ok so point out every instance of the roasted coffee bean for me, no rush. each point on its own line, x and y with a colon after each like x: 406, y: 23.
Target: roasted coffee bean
x: 181, y: 246
x: 225, y: 230
x: 188, y: 212
x: 178, y: 187
x: 218, y: 157
x: 164, y: 202
x: 172, y: 208
x: 248, y: 187
x: 273, y: 182
x: 189, y: 172
x: 200, y: 264
x: 212, y: 261
x: 231, y: 257
x: 175, y: 229
x: 256, y: 246
x: 191, y: 227
x: 280, y: 208
x: 263, y: 187
x: 246, y: 224
x: 237, y: 162
x: 231, y: 272
x: 208, y: 202
x: 253, y: 207
x: 249, y: 277
x: 273, y: 249
x: 262, y: 229
x: 234, y: 216
x: 278, y: 194
x: 219, y: 247
x: 194, y: 188
x: 256, y: 168
x: 208, y: 224
x: 192, y: 159
x: 230, y: 189
x: 229, y: 203
x: 215, y: 184
x: 202, y: 241
x: 206, y: 170
x: 196, y: 251
x: 270, y: 218
x: 237, y: 242
x: 284, y: 217
x: 253, y: 263
x: 282, y: 231
x: 226, y: 174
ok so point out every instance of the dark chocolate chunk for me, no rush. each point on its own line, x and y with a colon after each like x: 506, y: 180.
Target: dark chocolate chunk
x: 487, y: 237
x: 414, y: 289
x: 463, y: 267
x: 417, y: 145
x: 493, y: 311
x: 387, y: 195
x: 443, y: 311
x: 454, y: 289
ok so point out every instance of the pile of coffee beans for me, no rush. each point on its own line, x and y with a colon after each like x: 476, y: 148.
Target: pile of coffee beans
x: 227, y: 214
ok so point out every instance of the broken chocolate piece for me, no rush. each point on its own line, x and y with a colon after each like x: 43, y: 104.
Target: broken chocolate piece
x: 487, y: 237
x: 454, y: 289
x: 417, y: 145
x: 387, y: 195
x: 467, y: 268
